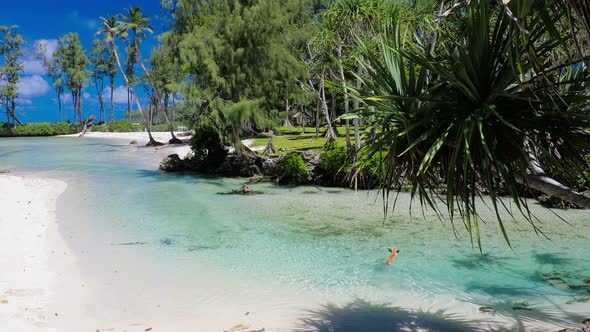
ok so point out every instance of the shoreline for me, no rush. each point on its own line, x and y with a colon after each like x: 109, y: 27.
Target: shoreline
x: 78, y: 297
x: 34, y: 268
x: 142, y: 138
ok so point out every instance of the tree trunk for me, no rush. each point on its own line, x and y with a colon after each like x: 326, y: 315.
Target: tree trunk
x: 74, y: 106
x: 129, y: 103
x: 99, y: 93
x: 346, y: 101
x: 81, y: 114
x: 553, y: 188
x: 317, y: 116
x: 61, y: 119
x: 357, y: 131
x: 330, y: 135
x: 174, y: 139
x: 152, y: 141
x: 112, y: 116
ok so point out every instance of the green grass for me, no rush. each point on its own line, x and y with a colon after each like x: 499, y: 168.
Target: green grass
x: 299, y: 142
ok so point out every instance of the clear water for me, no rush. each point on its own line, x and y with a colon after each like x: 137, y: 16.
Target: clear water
x: 161, y: 247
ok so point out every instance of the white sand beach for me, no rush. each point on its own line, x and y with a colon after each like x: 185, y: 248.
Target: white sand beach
x: 142, y: 139
x: 34, y: 258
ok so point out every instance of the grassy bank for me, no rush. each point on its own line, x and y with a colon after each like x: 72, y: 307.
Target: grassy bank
x: 297, y: 139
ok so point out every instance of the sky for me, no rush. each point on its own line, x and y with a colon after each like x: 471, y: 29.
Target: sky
x: 46, y: 21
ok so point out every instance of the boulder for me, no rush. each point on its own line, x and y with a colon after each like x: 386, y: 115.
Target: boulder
x: 313, y: 162
x: 273, y: 166
x: 241, y: 164
x: 172, y: 163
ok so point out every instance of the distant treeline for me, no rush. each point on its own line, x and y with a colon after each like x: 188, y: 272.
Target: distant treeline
x: 65, y: 128
x: 38, y: 129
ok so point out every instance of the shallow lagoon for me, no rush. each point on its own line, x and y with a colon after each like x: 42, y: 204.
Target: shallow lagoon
x: 164, y: 247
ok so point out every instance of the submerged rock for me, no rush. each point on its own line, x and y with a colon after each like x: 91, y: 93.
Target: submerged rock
x: 515, y: 308
x: 487, y: 309
x: 558, y: 283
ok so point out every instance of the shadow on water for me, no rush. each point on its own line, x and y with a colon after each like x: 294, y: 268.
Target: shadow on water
x: 485, y: 261
x: 501, y: 291
x: 525, y: 314
x: 552, y: 259
x: 157, y: 175
x: 361, y: 315
x: 11, y: 153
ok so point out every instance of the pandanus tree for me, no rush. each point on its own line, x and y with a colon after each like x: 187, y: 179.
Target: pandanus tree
x: 499, y: 101
x: 138, y: 24
x: 112, y: 31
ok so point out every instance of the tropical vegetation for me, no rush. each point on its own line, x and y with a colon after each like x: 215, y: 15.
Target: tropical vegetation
x: 452, y: 99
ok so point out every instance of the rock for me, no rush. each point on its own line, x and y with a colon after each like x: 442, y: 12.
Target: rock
x: 487, y: 309
x: 166, y: 242
x: 133, y: 142
x: 173, y: 163
x: 558, y: 283
x: 189, y: 155
x: 245, y: 190
x: 313, y: 161
x: 556, y: 203
x: 250, y: 171
x: 4, y: 171
x: 273, y: 166
x: 521, y: 308
x: 241, y: 164
x: 256, y: 179
x: 586, y: 322
x: 186, y: 133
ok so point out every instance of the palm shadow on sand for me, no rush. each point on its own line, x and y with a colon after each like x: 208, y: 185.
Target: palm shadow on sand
x: 360, y: 315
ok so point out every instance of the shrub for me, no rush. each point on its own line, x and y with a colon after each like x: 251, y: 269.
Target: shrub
x: 295, y: 168
x: 208, y: 147
x: 39, y: 129
x: 374, y: 168
x: 334, y: 160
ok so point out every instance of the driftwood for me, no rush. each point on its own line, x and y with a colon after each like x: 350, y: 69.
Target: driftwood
x: 87, y: 124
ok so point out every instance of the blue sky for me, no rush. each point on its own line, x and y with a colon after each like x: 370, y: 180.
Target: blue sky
x: 47, y: 21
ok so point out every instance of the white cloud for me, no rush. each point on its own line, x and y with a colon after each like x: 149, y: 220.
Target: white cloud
x: 119, y: 95
x: 32, y: 86
x: 33, y: 67
x: 50, y: 46
x: 86, y: 95
x: 22, y: 101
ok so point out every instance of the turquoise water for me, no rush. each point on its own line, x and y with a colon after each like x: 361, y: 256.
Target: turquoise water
x: 306, y: 258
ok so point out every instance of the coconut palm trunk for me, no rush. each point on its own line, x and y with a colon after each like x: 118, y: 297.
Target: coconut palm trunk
x: 346, y: 100
x: 152, y: 141
x: 112, y: 109
x: 174, y: 139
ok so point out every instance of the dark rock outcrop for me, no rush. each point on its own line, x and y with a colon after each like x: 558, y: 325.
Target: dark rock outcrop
x: 173, y: 163
x: 241, y: 164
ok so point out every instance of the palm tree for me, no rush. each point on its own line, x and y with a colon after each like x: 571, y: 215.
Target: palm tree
x: 483, y: 113
x: 348, y: 19
x: 139, y: 25
x: 111, y: 30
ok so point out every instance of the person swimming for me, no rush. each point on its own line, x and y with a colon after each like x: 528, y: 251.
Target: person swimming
x: 392, y: 257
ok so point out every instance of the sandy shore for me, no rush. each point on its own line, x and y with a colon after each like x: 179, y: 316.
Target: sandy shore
x: 30, y: 276
x: 142, y: 139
